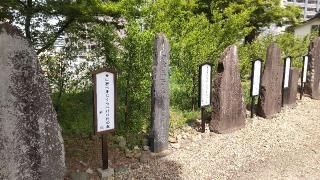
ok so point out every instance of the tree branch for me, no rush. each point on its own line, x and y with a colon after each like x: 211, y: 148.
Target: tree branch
x: 51, y: 41
x: 22, y: 3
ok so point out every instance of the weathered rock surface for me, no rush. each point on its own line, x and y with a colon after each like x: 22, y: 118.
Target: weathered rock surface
x: 290, y: 95
x: 228, y: 106
x: 270, y: 100
x: 312, y: 86
x: 31, y: 145
x: 160, y: 95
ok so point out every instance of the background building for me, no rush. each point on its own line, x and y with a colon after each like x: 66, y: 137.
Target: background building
x: 309, y: 7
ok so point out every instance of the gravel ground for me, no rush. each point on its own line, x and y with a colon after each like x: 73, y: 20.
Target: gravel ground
x: 285, y: 147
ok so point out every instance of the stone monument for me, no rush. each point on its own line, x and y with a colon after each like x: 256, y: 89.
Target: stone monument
x: 312, y: 86
x: 290, y: 95
x: 31, y: 145
x: 270, y: 100
x: 228, y: 112
x: 160, y: 95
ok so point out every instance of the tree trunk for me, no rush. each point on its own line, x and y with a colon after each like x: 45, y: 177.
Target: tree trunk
x: 251, y: 36
x: 193, y: 92
x: 27, y: 24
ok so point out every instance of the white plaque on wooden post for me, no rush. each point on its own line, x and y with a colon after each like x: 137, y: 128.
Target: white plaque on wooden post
x: 287, y: 65
x: 205, y: 84
x: 305, y: 68
x: 256, y: 76
x: 104, y: 100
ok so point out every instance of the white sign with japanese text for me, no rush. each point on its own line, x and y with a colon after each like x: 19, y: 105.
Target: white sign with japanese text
x: 305, y: 68
x: 287, y: 72
x: 105, y: 94
x: 256, y: 78
x: 205, y: 85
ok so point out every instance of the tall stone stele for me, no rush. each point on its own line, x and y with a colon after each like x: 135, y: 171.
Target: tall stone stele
x: 270, y: 100
x: 290, y: 95
x: 312, y: 86
x: 31, y: 145
x: 160, y: 95
x: 228, y: 112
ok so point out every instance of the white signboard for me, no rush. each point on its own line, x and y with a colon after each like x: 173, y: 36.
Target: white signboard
x: 287, y: 72
x: 105, y: 101
x: 256, y: 78
x: 305, y: 69
x: 205, y: 85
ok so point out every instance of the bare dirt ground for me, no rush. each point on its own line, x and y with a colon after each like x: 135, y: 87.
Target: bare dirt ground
x: 285, y: 147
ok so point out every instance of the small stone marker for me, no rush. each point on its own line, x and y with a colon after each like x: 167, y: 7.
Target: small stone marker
x: 160, y: 95
x: 31, y: 145
x: 271, y: 84
x: 312, y: 86
x: 290, y: 95
x: 228, y: 107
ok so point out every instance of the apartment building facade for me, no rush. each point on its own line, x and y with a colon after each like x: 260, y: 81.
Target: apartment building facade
x: 309, y: 7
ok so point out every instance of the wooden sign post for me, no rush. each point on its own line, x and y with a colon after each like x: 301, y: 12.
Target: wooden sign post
x: 255, y: 82
x: 286, y: 76
x: 304, y: 73
x: 205, y: 90
x: 105, y: 107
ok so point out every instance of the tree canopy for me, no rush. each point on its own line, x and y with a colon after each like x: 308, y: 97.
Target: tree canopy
x: 43, y: 21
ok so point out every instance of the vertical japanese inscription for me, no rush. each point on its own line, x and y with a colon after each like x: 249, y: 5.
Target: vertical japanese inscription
x: 256, y: 76
x: 105, y: 101
x: 287, y: 66
x: 205, y: 85
x: 160, y: 95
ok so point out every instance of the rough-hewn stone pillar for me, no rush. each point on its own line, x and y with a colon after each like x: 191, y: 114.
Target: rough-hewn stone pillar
x: 31, y: 145
x: 228, y: 112
x: 312, y: 86
x: 160, y: 95
x: 290, y: 95
x: 271, y: 84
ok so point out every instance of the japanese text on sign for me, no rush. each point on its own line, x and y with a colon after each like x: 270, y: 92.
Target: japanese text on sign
x: 105, y: 94
x: 256, y: 78
x: 305, y: 68
x: 287, y: 72
x: 205, y: 85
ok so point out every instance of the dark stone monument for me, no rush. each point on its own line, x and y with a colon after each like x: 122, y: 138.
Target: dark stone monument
x: 227, y: 100
x: 31, y: 145
x: 312, y: 86
x: 160, y: 95
x: 270, y: 100
x: 290, y: 95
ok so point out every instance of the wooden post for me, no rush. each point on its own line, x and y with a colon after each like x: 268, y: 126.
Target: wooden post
x: 255, y: 82
x: 252, y: 106
x: 205, y: 90
x: 105, y: 151
x: 105, y: 107
x: 301, y: 90
x: 203, y: 122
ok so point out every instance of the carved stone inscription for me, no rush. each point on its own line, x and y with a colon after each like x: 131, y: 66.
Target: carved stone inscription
x: 31, y: 145
x: 228, y: 111
x: 270, y: 100
x: 312, y: 86
x: 160, y: 95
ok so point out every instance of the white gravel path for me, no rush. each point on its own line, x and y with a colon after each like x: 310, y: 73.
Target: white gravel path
x: 285, y: 147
